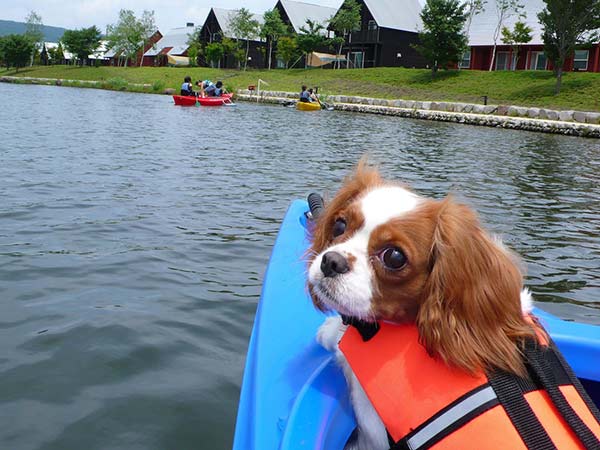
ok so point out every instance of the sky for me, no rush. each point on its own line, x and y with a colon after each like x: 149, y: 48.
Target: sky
x: 168, y: 14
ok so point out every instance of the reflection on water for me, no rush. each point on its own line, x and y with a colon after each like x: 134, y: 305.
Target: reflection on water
x: 135, y: 234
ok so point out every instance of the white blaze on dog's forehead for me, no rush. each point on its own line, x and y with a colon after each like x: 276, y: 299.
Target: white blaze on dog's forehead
x: 384, y: 203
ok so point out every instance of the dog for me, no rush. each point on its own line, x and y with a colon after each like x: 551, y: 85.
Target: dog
x: 381, y: 253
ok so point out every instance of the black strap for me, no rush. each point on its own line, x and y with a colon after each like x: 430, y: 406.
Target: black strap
x: 366, y: 329
x: 543, y: 361
x: 521, y: 415
x: 547, y: 370
x: 568, y: 372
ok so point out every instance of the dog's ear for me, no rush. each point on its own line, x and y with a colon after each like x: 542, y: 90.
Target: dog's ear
x: 470, y: 315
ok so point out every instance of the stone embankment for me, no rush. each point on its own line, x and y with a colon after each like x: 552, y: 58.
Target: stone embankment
x: 572, y: 123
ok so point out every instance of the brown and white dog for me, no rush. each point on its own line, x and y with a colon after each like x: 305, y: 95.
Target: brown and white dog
x: 380, y: 252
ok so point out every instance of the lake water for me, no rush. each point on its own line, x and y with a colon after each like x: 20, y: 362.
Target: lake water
x: 134, y: 235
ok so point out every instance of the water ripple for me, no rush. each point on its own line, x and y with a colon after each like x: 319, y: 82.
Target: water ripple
x: 134, y: 238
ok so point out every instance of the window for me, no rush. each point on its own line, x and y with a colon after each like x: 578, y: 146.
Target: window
x: 581, y: 59
x: 465, y: 62
x: 357, y: 60
x: 537, y: 61
x: 502, y: 61
x: 372, y: 25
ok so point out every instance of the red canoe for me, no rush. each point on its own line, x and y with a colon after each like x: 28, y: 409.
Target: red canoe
x: 182, y: 100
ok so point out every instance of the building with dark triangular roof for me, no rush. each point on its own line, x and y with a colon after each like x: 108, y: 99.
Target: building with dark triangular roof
x: 389, y: 29
x: 295, y: 14
x: 218, y: 26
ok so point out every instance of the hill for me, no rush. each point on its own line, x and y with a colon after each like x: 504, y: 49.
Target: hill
x: 51, y: 34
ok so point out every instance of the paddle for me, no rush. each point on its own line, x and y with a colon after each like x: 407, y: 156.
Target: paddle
x: 227, y: 101
x: 325, y: 105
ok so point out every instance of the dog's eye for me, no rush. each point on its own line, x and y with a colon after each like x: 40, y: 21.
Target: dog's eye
x: 393, y: 258
x: 339, y: 227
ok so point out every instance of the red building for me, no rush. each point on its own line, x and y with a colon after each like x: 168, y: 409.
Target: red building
x: 174, y: 43
x: 529, y: 56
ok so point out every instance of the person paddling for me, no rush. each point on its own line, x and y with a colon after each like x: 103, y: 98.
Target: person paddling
x: 215, y: 90
x: 304, y: 95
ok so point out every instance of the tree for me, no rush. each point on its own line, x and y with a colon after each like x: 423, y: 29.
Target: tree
x: 344, y: 22
x: 504, y: 10
x: 244, y: 26
x: 15, y: 50
x: 272, y: 30
x: 194, y: 49
x: 287, y: 48
x: 192, y: 53
x: 566, y: 24
x: 147, y: 24
x: 56, y: 54
x: 310, y: 38
x: 232, y: 48
x: 474, y: 7
x: 33, y: 31
x: 130, y: 34
x: 520, y: 34
x: 214, y: 53
x: 442, y: 39
x: 2, y: 57
x: 82, y: 42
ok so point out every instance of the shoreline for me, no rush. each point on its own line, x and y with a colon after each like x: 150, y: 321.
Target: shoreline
x: 568, y: 123
x: 543, y: 120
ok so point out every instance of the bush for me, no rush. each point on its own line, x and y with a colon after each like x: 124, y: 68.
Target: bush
x: 117, y: 84
x: 158, y: 86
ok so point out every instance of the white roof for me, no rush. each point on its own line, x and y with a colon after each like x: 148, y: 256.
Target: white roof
x: 100, y: 52
x: 298, y: 12
x: 396, y: 14
x: 177, y: 38
x: 110, y: 53
x: 484, y: 23
x: 224, y: 17
x: 49, y: 45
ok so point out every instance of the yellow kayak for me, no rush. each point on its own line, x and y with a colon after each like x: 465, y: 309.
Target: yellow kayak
x: 305, y: 106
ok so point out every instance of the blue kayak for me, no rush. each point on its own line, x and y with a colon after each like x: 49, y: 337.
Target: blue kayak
x: 293, y: 394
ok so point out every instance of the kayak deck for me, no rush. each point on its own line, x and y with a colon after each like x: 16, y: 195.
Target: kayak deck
x: 190, y: 100
x: 294, y: 396
x: 306, y: 106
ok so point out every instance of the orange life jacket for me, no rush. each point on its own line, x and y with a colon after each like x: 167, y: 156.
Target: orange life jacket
x: 425, y: 404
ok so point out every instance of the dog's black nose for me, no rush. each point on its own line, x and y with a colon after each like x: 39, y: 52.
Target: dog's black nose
x: 333, y: 264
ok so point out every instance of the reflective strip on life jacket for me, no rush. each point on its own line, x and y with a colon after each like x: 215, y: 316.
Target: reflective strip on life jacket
x: 461, y: 412
x: 426, y: 404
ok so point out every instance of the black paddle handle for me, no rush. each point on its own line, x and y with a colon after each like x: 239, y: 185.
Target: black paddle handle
x: 315, y: 204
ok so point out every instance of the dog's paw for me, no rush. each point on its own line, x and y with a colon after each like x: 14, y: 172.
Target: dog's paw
x: 330, y: 333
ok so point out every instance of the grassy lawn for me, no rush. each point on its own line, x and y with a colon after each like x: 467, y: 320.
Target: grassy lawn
x: 528, y: 88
